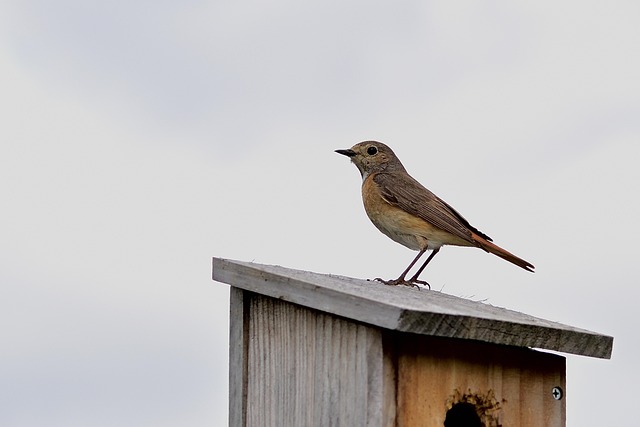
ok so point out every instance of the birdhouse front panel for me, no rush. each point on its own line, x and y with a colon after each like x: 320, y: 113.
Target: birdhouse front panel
x: 452, y: 382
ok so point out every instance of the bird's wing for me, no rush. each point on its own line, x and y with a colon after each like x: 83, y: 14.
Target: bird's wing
x: 411, y: 196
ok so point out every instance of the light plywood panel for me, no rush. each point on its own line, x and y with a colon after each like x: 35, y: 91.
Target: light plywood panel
x: 434, y: 372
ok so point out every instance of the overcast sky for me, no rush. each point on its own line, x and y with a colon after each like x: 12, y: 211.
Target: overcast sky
x: 141, y: 138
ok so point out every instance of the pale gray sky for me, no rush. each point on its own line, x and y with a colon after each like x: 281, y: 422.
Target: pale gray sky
x: 142, y: 138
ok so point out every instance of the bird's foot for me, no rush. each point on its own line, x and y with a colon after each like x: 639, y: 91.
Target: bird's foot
x: 414, y: 283
x: 417, y: 283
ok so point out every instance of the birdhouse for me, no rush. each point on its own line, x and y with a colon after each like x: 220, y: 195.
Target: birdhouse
x: 310, y: 349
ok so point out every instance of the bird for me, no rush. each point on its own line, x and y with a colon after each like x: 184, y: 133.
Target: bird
x: 408, y: 213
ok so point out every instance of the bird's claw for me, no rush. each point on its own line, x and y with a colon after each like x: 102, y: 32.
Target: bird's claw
x: 414, y: 283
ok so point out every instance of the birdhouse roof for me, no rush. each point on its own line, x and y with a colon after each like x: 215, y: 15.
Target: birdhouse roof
x: 411, y: 310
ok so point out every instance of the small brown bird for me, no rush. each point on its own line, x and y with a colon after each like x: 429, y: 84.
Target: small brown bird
x: 411, y: 215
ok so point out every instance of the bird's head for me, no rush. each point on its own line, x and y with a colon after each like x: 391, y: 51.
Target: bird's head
x: 373, y: 156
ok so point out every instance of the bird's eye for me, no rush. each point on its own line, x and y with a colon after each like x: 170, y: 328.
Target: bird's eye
x: 372, y: 150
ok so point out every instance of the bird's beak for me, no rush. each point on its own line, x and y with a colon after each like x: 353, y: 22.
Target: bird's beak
x: 348, y: 153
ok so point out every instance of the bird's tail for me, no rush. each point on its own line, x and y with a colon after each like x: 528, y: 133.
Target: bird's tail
x: 497, y: 250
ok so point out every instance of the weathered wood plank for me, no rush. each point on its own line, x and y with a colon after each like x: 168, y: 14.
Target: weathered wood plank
x: 308, y: 368
x: 238, y: 350
x: 410, y: 310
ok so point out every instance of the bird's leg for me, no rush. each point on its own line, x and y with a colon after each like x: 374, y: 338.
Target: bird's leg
x: 414, y: 279
x: 401, y: 280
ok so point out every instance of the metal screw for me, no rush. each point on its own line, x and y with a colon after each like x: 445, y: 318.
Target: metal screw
x: 557, y: 393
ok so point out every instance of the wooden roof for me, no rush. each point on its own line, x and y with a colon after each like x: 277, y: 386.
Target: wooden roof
x: 410, y: 310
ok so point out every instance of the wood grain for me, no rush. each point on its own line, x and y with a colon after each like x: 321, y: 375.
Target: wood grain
x: 307, y: 368
x: 238, y: 356
x: 294, y: 366
x: 405, y: 309
x: 431, y: 370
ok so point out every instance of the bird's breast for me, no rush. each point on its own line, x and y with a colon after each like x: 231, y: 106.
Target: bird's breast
x: 403, y: 227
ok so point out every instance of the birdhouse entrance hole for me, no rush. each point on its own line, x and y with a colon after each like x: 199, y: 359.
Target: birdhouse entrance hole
x: 462, y: 414
x: 472, y: 409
